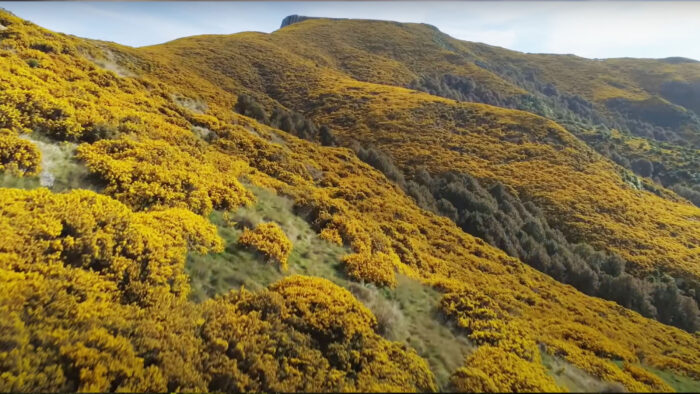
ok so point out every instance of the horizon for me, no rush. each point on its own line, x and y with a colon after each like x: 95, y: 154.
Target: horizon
x: 589, y: 29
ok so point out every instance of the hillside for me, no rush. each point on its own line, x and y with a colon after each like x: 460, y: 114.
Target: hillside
x: 588, y: 198
x: 654, y: 99
x: 129, y: 179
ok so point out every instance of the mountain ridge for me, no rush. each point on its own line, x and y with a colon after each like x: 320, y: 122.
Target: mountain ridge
x: 295, y: 18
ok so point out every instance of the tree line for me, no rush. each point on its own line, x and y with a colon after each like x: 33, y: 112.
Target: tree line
x: 521, y: 230
x: 576, y: 114
x: 289, y: 121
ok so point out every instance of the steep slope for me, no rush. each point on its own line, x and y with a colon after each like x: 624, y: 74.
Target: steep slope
x: 586, y: 196
x: 96, y: 294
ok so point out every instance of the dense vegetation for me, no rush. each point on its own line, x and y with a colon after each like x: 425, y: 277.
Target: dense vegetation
x: 660, y: 144
x: 656, y: 100
x: 521, y: 230
x: 289, y: 121
x: 95, y: 301
x: 18, y: 156
x: 96, y: 295
x: 442, y: 135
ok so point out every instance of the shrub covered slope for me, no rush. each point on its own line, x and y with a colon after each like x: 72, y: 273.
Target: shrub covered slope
x: 95, y: 294
x: 591, y: 200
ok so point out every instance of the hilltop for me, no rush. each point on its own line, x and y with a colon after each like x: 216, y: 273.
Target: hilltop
x: 307, y: 210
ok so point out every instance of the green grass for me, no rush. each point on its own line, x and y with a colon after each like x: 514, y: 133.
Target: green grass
x: 15, y: 182
x: 680, y: 383
x: 406, y: 314
x: 575, y: 379
x: 238, y: 266
x: 423, y: 328
x: 58, y: 163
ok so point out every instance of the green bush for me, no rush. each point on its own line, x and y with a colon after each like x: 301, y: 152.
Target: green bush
x: 33, y: 63
x: 46, y: 47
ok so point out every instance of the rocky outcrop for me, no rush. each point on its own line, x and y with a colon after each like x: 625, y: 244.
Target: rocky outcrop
x: 292, y: 19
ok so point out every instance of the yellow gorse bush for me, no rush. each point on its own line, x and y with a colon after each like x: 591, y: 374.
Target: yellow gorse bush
x: 270, y: 240
x: 84, y: 277
x: 378, y: 268
x: 90, y: 287
x: 154, y: 174
x: 140, y: 251
x: 305, y: 334
x: 18, y: 156
x: 492, y: 370
x: 642, y: 375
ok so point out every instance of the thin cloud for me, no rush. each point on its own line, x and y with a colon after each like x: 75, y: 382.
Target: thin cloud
x: 153, y: 24
x: 616, y: 29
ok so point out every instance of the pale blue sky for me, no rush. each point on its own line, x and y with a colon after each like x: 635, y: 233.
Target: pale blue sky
x: 594, y: 29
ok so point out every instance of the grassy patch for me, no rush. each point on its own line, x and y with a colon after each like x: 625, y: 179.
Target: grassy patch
x: 407, y: 314
x: 680, y: 383
x: 16, y: 182
x: 575, y: 379
x: 60, y: 170
x: 238, y: 266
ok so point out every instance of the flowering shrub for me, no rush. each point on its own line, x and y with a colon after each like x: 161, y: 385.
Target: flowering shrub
x: 642, y: 375
x: 490, y: 369
x: 270, y: 240
x: 304, y: 334
x: 377, y: 268
x: 153, y: 174
x: 18, y: 156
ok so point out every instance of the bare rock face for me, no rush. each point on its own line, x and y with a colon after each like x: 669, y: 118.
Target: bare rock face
x: 46, y: 179
x: 292, y: 19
